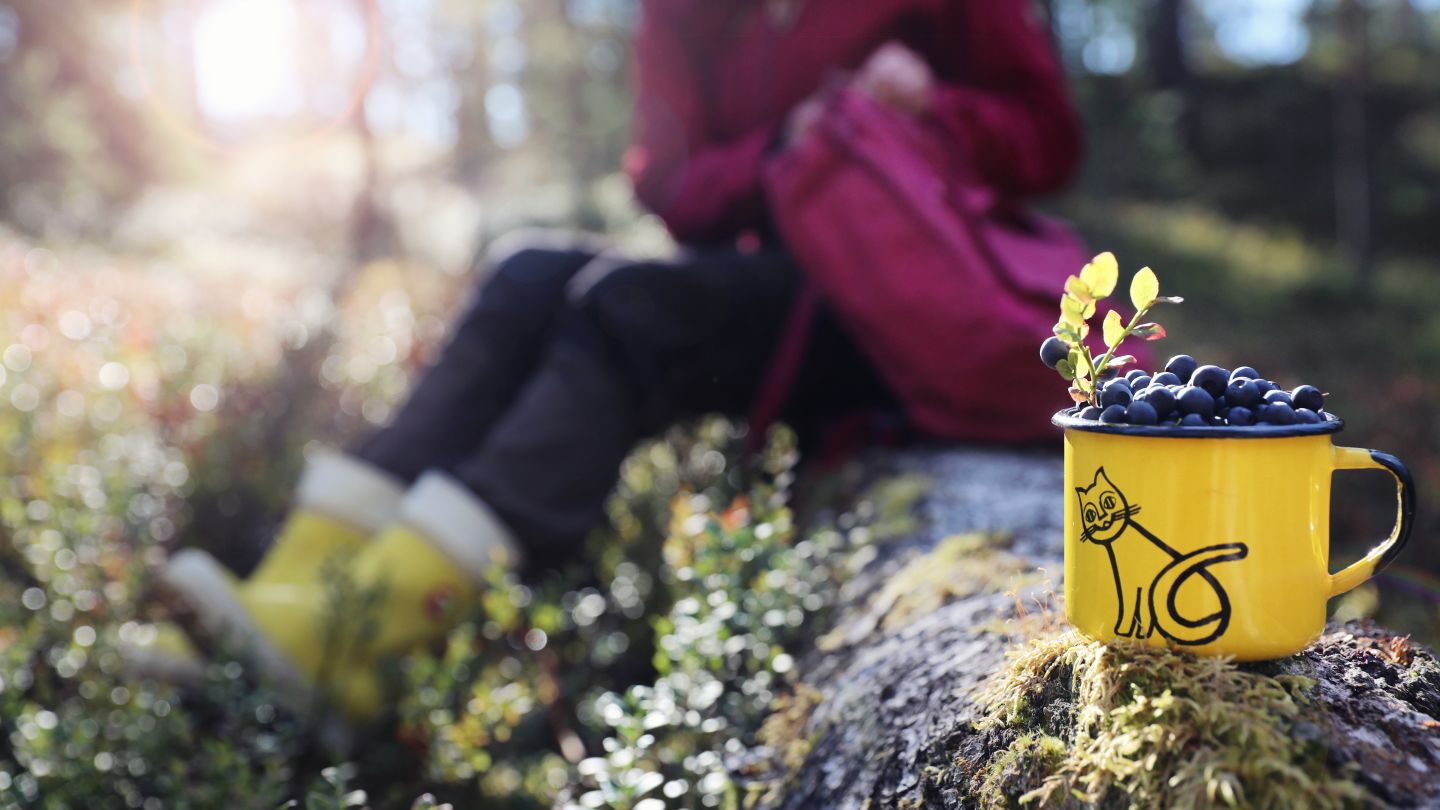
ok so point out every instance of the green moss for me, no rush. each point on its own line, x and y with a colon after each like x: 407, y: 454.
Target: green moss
x: 893, y: 500
x: 958, y: 567
x: 1017, y: 770
x: 1154, y: 728
x: 784, y: 730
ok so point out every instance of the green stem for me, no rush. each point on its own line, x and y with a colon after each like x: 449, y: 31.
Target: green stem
x: 1105, y: 359
x: 1094, y: 378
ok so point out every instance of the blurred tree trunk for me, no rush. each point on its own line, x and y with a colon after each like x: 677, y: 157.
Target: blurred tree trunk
x: 1170, y: 70
x: 1352, y: 160
x: 581, y: 150
x: 472, y: 137
x: 1169, y: 62
x: 372, y: 233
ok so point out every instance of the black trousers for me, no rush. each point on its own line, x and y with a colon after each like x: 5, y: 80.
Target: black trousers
x: 569, y: 356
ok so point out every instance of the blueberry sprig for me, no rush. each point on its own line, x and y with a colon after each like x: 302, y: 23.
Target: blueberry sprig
x: 1067, y: 352
x: 1187, y: 394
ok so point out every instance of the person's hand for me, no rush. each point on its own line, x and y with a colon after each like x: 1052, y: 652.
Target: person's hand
x: 802, y: 119
x: 898, y: 78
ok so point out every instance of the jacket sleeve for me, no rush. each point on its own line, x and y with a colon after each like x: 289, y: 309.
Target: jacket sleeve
x: 702, y: 187
x: 1001, y: 94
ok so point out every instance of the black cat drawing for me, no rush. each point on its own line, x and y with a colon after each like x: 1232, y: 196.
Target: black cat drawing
x: 1147, y: 603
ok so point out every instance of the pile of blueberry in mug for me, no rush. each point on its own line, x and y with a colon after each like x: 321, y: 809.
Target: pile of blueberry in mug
x: 1191, y: 395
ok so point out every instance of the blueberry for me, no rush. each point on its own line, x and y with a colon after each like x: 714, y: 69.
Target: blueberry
x: 1308, y: 397
x: 1194, y: 400
x: 1115, y: 392
x: 1053, y: 350
x: 1212, y: 378
x: 1143, y: 381
x: 1089, y: 412
x: 1132, y: 374
x: 1273, y: 397
x: 1244, y: 393
x: 1246, y: 372
x: 1266, y: 386
x: 1217, y: 421
x: 1193, y: 420
x: 1165, y: 378
x: 1279, y: 413
x: 1221, y: 404
x: 1182, y: 366
x: 1240, y: 416
x: 1113, y: 415
x: 1259, y: 411
x: 1160, y: 398
x: 1305, y: 416
x: 1141, y: 412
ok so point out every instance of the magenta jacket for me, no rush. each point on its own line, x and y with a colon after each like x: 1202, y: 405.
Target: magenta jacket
x: 716, y: 79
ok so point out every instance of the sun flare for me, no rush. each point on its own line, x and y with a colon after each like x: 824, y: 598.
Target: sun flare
x: 246, y: 59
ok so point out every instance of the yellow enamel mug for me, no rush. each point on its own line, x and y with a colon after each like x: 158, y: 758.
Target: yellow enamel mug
x: 1213, y: 540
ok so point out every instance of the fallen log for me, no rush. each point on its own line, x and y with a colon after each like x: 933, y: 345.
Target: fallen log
x: 948, y: 680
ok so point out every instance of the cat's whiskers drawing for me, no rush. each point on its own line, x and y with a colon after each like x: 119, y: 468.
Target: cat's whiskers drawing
x: 1107, y: 520
x: 1087, y: 534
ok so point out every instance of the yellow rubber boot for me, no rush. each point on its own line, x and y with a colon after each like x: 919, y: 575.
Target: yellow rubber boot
x: 339, y: 503
x: 160, y: 650
x: 429, y: 563
x: 406, y: 588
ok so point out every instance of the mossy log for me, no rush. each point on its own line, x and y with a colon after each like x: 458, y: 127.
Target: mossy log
x: 949, y: 680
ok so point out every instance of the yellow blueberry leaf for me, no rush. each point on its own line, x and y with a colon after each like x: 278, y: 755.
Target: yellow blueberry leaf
x: 1078, y: 289
x: 1144, y: 289
x: 1101, y: 274
x: 1114, y: 329
x: 1069, y: 314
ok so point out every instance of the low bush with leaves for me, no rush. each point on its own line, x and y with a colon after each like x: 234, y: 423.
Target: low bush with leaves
x: 132, y: 428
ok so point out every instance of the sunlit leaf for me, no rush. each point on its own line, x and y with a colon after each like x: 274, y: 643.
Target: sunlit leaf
x: 1101, y: 274
x: 1066, y: 369
x: 1114, y: 329
x: 1078, y: 289
x: 1144, y: 289
x: 1072, y: 312
x: 1149, y: 331
x: 1067, y: 333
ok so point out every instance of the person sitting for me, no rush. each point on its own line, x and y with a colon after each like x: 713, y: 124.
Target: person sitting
x: 571, y: 353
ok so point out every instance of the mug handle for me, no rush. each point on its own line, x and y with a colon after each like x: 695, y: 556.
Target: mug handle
x: 1354, y: 458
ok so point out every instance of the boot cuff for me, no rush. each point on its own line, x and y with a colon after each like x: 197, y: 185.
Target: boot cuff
x: 352, y: 490
x: 459, y: 524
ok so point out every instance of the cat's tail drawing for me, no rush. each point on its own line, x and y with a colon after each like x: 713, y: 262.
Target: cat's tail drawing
x: 1166, y: 588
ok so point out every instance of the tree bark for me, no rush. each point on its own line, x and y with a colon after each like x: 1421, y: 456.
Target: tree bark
x: 888, y: 711
x: 1353, y: 186
x: 1169, y: 62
